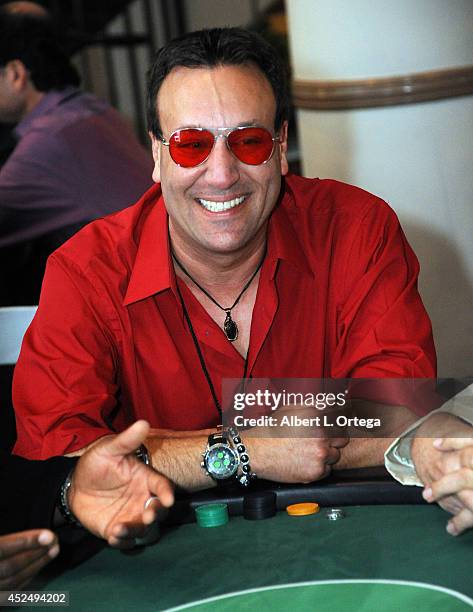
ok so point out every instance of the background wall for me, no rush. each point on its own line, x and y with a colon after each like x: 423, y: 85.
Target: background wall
x: 197, y: 14
x: 417, y: 157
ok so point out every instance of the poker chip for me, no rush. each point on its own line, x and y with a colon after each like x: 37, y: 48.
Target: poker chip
x: 212, y: 515
x: 302, y: 509
x: 335, y: 514
x: 259, y: 505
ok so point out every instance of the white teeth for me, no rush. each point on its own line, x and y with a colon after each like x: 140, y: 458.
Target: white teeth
x: 220, y: 206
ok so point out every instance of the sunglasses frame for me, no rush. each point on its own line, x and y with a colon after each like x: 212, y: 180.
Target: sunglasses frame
x: 220, y: 132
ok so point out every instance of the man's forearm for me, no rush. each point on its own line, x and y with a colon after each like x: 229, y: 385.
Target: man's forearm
x: 179, y: 458
x: 279, y: 459
x: 369, y: 451
x: 363, y: 452
x: 175, y: 454
x: 160, y: 433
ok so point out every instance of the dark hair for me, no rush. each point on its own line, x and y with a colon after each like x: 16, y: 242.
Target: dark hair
x: 212, y: 48
x: 33, y: 40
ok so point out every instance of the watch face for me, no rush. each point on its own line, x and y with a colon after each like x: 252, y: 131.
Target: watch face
x: 221, y: 461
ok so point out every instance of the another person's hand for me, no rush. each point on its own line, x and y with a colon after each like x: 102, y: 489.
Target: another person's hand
x: 453, y: 490
x: 112, y: 492
x: 24, y: 554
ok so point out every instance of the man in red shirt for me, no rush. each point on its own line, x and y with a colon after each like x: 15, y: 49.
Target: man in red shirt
x: 227, y: 268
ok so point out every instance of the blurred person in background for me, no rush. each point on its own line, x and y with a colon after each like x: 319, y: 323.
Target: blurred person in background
x: 75, y: 157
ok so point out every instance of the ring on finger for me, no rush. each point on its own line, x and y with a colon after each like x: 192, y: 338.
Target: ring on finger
x: 149, y: 501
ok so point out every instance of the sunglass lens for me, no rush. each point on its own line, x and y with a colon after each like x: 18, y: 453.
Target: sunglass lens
x: 190, y: 147
x: 251, y: 145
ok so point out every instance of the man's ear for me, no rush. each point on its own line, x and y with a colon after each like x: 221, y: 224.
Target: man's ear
x: 282, y: 144
x: 17, y: 75
x: 156, y: 150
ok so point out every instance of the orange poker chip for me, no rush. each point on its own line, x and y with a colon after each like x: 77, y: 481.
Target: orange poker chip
x: 302, y: 509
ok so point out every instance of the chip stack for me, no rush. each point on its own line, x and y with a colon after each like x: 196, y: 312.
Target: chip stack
x: 212, y: 515
x: 259, y: 505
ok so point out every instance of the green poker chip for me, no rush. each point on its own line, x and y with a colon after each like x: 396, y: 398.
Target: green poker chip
x: 212, y: 515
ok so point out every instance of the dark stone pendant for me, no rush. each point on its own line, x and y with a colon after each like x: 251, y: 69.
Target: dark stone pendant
x: 230, y: 327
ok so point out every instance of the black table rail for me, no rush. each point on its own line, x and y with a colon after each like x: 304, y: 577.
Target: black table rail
x: 359, y: 487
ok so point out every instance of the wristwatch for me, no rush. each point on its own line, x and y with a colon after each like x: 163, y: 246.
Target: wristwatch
x: 220, y: 459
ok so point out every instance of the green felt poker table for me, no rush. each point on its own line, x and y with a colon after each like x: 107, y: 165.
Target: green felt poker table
x: 390, y: 553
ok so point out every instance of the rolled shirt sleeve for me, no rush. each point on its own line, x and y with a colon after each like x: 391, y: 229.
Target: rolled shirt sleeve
x: 398, y: 458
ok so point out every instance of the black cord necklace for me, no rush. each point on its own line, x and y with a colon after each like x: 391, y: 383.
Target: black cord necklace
x: 201, y: 357
x: 229, y: 326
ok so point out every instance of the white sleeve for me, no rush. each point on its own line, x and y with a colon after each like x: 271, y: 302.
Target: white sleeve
x: 397, y: 458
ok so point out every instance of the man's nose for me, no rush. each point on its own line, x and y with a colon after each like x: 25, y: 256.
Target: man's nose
x: 222, y: 167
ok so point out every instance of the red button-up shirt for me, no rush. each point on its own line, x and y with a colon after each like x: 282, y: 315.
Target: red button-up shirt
x: 337, y: 297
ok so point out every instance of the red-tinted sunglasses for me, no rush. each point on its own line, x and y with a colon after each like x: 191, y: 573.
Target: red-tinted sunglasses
x: 190, y: 147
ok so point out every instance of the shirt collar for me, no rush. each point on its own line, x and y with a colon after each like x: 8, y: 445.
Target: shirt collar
x: 283, y: 242
x: 152, y: 268
x: 48, y: 102
x: 153, y: 272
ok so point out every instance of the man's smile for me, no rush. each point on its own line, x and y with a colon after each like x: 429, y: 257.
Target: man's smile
x: 217, y: 206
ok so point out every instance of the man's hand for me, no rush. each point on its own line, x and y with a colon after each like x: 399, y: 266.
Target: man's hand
x: 294, y: 453
x: 23, y: 554
x: 454, y: 489
x: 294, y: 459
x: 111, y: 487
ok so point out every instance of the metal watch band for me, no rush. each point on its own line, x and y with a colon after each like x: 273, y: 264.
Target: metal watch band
x: 216, y: 438
x: 63, y: 504
x: 246, y: 475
